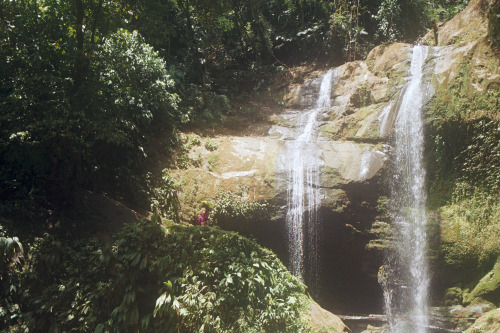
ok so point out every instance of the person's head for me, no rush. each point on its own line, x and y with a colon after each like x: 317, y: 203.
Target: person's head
x: 205, y: 207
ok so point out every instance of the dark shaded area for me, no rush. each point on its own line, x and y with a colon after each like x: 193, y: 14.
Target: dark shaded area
x: 349, y: 270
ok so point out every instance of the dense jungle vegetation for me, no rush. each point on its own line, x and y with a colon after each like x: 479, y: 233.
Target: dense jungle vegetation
x: 93, y: 92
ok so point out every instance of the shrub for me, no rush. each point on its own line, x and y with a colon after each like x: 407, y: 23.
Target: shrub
x: 210, y: 145
x: 230, y: 209
x: 471, y: 228
x: 153, y: 278
x: 164, y: 197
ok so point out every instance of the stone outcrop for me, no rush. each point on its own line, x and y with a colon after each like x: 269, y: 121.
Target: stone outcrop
x: 487, y: 323
x: 488, y: 288
x: 321, y: 320
x: 469, y: 25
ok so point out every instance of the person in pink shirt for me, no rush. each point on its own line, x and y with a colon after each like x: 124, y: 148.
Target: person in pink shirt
x: 202, y: 218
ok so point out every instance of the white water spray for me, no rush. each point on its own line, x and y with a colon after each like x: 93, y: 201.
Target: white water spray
x: 303, y: 159
x: 406, y: 291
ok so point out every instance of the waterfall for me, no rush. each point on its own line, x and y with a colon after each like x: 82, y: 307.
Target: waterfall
x: 303, y: 163
x: 406, y: 277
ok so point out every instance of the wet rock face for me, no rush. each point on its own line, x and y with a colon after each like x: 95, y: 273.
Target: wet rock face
x: 470, y: 24
x: 349, y: 267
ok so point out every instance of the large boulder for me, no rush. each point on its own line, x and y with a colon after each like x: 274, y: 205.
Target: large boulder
x: 468, y: 25
x: 488, y: 288
x: 321, y: 320
x: 487, y: 323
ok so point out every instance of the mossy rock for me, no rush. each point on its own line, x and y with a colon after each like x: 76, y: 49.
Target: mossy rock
x: 381, y: 229
x: 367, y: 122
x: 338, y: 201
x: 488, y: 287
x: 332, y: 130
x: 332, y: 177
x: 487, y: 323
x: 362, y: 97
x: 378, y: 244
x: 385, y: 59
x: 319, y: 319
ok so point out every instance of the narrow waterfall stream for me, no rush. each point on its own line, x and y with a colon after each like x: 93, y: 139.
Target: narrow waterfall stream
x: 407, y: 278
x: 304, y: 196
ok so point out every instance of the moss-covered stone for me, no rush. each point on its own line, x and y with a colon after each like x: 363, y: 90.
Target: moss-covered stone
x: 361, y: 97
x: 378, y: 244
x: 332, y: 130
x: 469, y: 24
x: 320, y: 320
x: 331, y: 177
x: 281, y: 121
x: 336, y: 200
x: 488, y: 287
x: 368, y: 123
x: 487, y: 323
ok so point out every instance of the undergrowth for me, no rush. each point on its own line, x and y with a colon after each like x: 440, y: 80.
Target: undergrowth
x: 154, y: 278
x: 472, y: 229
x: 230, y: 209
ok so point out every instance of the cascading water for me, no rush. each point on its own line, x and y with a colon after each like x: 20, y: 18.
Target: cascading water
x: 303, y: 160
x: 407, y: 280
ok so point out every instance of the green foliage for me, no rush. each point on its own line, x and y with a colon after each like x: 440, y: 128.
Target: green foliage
x: 130, y: 103
x: 154, y: 278
x: 79, y: 102
x: 466, y: 152
x: 35, y: 122
x: 184, y: 158
x: 210, y: 145
x: 446, y: 9
x: 459, y: 99
x: 131, y: 87
x: 347, y: 22
x: 213, y: 162
x: 207, y: 204
x: 494, y: 24
x: 488, y: 288
x: 393, y: 24
x: 463, y: 160
x: 205, y: 107
x: 230, y: 209
x: 471, y: 226
x: 469, y: 160
x: 383, y: 208
x: 392, y: 17
x: 388, y: 13
x: 11, y: 263
x: 480, y: 160
x: 164, y: 197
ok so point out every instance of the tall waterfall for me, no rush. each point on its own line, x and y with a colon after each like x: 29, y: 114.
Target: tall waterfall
x: 303, y: 168
x: 407, y: 277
